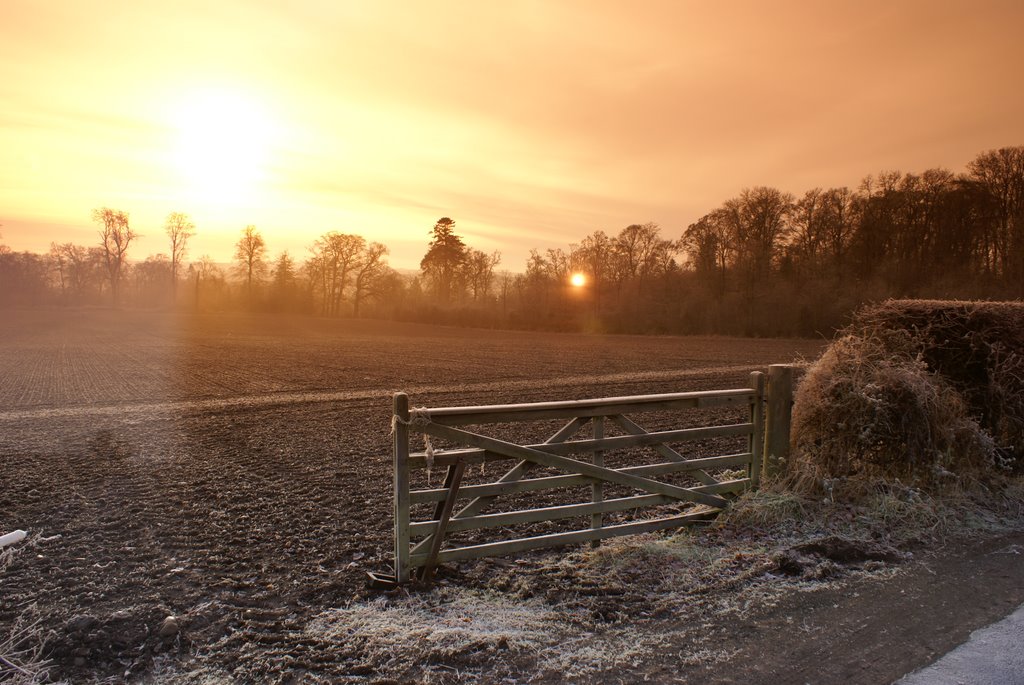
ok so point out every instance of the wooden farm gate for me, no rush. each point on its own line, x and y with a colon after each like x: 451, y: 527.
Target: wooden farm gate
x: 419, y: 545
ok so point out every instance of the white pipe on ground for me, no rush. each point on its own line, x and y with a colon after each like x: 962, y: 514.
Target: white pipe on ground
x: 11, y: 538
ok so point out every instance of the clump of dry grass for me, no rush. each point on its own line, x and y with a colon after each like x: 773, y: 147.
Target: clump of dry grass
x: 454, y: 634
x: 21, y: 661
x: 765, y: 509
x: 6, y: 558
x: 924, y: 392
x: 435, y: 633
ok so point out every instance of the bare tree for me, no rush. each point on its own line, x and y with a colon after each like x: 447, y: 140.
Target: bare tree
x: 209, y: 277
x: 151, y: 279
x: 759, y: 221
x: 1001, y: 173
x: 179, y: 229
x: 25, y: 278
x: 115, y: 237
x: 251, y: 253
x: 808, y: 239
x: 60, y: 263
x: 479, y: 267
x: 594, y: 257
x: 79, y: 270
x: 639, y: 250
x: 838, y: 219
x: 506, y: 279
x: 557, y: 266
x: 708, y: 243
x: 369, y: 271
x: 335, y: 255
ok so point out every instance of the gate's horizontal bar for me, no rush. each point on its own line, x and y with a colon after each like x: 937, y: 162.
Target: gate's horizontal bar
x: 568, y: 465
x: 548, y: 482
x: 511, y: 518
x: 606, y: 406
x: 495, y: 549
x: 603, y: 444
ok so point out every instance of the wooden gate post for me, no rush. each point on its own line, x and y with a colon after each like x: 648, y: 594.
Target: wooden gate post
x: 757, y: 436
x: 401, y: 451
x: 779, y: 416
x: 597, y: 489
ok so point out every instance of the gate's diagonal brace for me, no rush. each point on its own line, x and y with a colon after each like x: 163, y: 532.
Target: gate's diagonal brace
x: 444, y: 513
x: 573, y: 466
x: 515, y: 473
x: 634, y: 428
x: 449, y: 478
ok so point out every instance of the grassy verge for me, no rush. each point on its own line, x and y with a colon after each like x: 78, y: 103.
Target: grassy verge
x: 577, y: 614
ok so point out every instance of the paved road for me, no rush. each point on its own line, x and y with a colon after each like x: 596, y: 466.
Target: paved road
x: 992, y: 656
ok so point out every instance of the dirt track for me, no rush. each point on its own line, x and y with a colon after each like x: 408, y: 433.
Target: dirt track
x: 234, y: 473
x: 872, y: 632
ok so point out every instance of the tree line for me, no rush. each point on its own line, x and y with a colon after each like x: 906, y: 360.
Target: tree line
x: 342, y: 274
x: 765, y: 262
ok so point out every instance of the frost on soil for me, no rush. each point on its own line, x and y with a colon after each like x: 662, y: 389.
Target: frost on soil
x: 452, y: 630
x: 589, y: 613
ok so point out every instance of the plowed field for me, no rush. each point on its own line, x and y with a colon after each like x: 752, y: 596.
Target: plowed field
x: 234, y: 471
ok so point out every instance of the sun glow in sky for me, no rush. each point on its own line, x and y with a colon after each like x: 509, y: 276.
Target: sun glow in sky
x: 530, y: 123
x: 223, y: 147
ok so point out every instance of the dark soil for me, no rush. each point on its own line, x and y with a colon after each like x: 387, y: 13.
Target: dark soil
x: 234, y: 474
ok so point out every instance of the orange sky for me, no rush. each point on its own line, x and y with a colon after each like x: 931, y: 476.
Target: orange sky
x: 531, y: 124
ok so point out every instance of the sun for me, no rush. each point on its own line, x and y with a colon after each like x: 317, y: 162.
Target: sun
x: 223, y: 145
x: 578, y: 280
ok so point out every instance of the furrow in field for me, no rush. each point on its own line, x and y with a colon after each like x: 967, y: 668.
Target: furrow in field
x: 288, y: 398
